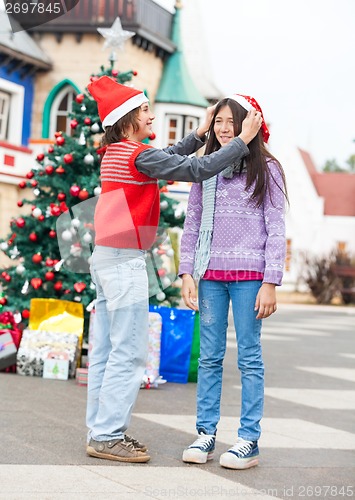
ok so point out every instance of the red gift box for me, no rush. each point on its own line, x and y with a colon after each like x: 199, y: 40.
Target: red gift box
x: 16, y: 335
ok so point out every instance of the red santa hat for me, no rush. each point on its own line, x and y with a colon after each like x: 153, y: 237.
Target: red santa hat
x: 249, y: 103
x: 114, y: 100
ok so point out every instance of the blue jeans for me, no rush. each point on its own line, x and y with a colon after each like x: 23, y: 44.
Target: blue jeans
x: 120, y: 344
x: 214, y: 299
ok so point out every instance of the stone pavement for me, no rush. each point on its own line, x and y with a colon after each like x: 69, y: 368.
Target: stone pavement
x: 307, y: 449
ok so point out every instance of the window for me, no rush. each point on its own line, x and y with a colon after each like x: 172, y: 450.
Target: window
x: 341, y: 247
x: 179, y: 126
x: 62, y: 105
x: 288, y: 255
x: 4, y: 114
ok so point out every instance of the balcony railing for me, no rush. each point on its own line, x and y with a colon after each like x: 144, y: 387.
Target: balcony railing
x: 146, y: 18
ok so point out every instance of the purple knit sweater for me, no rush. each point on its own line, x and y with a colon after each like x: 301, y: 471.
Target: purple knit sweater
x: 245, y: 238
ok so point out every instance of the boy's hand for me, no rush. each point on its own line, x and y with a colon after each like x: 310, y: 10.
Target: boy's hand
x: 188, y: 292
x: 250, y: 126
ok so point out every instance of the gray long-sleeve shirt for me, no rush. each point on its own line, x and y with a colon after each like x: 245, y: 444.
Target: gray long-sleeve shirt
x: 173, y: 162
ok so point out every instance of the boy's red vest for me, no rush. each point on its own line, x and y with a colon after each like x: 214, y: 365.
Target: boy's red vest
x: 127, y: 213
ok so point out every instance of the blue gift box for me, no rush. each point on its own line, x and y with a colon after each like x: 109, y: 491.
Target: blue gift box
x: 176, y: 342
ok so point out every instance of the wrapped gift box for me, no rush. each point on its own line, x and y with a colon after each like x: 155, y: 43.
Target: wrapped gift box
x: 37, y: 346
x: 154, y: 339
x: 82, y: 376
x: 7, y: 351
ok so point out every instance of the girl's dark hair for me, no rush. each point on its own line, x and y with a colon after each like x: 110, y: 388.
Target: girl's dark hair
x: 118, y: 131
x: 257, y: 161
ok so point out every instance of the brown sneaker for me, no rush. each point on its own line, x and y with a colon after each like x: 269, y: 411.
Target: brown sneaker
x: 116, y: 449
x: 139, y: 446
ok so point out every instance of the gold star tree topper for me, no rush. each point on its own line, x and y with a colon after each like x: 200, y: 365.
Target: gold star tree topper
x: 115, y: 36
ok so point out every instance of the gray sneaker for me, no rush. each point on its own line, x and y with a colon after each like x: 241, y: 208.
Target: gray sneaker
x: 116, y: 449
x: 139, y: 446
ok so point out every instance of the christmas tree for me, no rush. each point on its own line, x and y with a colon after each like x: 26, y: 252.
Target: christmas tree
x: 51, y: 247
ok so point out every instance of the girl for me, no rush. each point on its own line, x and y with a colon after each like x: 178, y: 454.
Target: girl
x: 126, y: 220
x: 233, y: 244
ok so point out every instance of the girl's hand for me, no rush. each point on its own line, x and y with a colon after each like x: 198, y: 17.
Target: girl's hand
x: 204, y: 127
x: 188, y: 292
x: 266, y: 301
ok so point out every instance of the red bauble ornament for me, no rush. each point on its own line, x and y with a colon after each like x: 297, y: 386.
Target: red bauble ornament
x: 3, y: 301
x: 37, y: 258
x: 52, y: 233
x: 49, y: 262
x: 58, y: 134
x: 68, y: 158
x: 83, y: 194
x: 61, y: 196
x: 22, y: 185
x: 33, y: 237
x: 49, y: 169
x: 29, y: 175
x: 60, y: 140
x: 40, y: 157
x: 34, y: 183
x: 50, y: 149
x: 8, y: 278
x: 60, y: 170
x: 79, y: 287
x: 87, y: 120
x: 114, y: 72
x: 135, y: 73
x: 41, y: 218
x: 20, y: 222
x: 36, y: 283
x: 49, y: 276
x: 74, y: 190
x: 55, y: 210
x: 152, y: 136
x: 74, y: 123
x: 25, y: 314
x: 58, y: 285
x: 20, y: 203
x: 79, y: 98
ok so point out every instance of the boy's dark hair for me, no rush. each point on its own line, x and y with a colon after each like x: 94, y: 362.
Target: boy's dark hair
x: 256, y: 162
x: 117, y: 132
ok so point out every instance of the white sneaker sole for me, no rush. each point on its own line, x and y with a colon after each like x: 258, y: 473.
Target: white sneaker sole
x: 230, y: 461
x: 195, y: 456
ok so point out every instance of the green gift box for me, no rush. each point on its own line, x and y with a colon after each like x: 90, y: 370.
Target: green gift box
x: 195, y: 350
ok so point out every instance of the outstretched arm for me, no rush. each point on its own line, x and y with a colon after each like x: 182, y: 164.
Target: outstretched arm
x: 157, y: 163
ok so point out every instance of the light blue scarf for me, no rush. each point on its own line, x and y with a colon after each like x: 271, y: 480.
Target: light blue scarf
x: 203, y: 245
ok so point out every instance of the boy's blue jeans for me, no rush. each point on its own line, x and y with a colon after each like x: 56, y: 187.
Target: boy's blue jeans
x: 214, y: 299
x: 117, y: 359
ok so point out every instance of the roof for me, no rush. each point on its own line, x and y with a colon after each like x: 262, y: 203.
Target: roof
x: 336, y: 188
x: 176, y: 85
x: 21, y: 46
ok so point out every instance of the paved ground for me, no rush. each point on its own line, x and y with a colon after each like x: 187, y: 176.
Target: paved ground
x: 307, y: 447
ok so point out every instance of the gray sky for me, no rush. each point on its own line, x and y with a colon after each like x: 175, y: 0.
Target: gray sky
x: 297, y: 58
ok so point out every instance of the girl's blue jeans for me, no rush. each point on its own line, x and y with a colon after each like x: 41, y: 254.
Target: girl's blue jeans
x: 214, y: 299
x: 118, y: 356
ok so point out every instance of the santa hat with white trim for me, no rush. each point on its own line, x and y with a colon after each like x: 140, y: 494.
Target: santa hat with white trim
x: 114, y: 100
x: 249, y: 103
